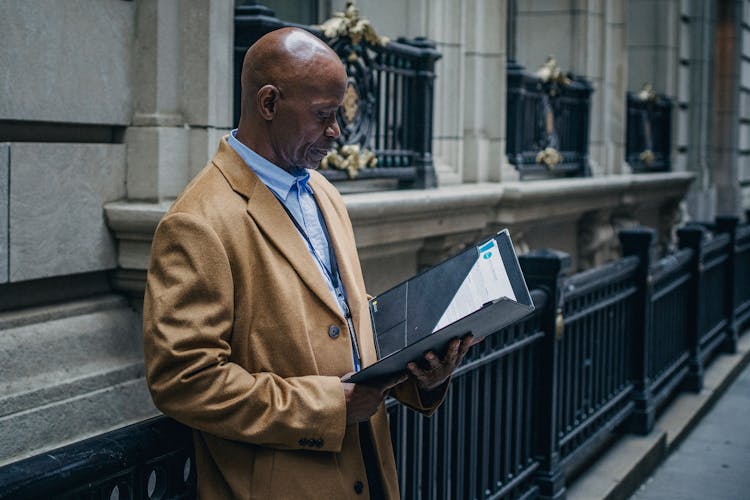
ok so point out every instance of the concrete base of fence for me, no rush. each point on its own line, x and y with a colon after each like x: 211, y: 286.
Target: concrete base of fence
x: 632, y: 459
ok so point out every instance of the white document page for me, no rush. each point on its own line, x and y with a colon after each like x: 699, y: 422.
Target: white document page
x: 486, y: 281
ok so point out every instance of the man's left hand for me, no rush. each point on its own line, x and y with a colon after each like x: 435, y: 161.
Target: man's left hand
x: 437, y: 371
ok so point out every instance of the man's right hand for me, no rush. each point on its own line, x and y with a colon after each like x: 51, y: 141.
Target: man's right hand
x: 362, y: 400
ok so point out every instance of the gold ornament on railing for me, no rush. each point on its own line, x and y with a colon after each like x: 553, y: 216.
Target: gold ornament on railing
x: 350, y: 105
x: 349, y: 24
x: 550, y: 72
x: 647, y: 93
x: 647, y: 157
x: 549, y: 156
x: 350, y: 158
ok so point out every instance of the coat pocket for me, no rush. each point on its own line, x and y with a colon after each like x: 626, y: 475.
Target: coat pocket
x: 306, y: 475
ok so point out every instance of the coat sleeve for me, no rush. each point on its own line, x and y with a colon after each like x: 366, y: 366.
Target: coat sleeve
x: 408, y: 394
x: 188, y: 320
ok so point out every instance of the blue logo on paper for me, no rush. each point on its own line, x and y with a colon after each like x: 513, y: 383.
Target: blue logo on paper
x: 486, y: 250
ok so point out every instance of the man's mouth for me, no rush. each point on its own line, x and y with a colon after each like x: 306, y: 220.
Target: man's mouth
x: 318, y: 152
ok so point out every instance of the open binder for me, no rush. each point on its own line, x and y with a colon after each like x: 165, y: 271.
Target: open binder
x: 479, y: 291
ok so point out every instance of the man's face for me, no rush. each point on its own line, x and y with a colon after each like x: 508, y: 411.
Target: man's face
x: 305, y: 127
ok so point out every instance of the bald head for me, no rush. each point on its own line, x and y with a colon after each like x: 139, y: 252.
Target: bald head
x: 292, y: 87
x: 288, y: 58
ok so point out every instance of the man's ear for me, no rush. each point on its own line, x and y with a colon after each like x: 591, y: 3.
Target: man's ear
x: 268, y: 98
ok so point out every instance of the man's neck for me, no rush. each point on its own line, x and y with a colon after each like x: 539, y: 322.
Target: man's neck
x: 254, y: 139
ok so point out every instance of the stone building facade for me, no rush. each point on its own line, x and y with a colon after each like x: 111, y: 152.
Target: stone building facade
x: 109, y: 107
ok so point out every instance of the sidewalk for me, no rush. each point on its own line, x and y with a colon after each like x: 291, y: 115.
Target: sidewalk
x: 628, y: 465
x: 714, y: 460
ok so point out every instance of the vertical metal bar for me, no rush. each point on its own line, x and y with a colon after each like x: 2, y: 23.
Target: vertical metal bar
x: 485, y: 440
x: 446, y: 457
x: 507, y: 416
x: 389, y: 126
x: 580, y: 342
x: 497, y: 423
x: 460, y: 453
x: 378, y: 144
x: 692, y: 238
x: 601, y: 361
x: 519, y: 418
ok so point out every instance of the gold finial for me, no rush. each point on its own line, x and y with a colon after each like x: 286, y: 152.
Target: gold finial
x: 350, y: 158
x: 647, y: 93
x: 348, y: 23
x: 550, y: 72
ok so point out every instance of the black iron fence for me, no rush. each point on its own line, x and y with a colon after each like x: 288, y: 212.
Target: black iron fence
x: 603, y: 352
x: 547, y: 123
x: 648, y: 137
x: 387, y: 116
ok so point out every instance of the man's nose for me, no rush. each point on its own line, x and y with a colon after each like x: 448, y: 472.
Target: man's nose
x: 333, y: 131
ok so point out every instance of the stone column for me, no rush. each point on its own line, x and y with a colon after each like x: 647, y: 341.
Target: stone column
x: 726, y: 84
x: 182, y: 93
x: 484, y: 90
x: 587, y: 37
x: 653, y: 36
x: 702, y: 196
x: 446, y: 25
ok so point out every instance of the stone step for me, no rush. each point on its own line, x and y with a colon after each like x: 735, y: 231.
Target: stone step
x: 47, y: 427
x: 43, y: 348
x: 67, y: 372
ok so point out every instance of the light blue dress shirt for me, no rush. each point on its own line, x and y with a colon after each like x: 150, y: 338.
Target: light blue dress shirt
x: 293, y: 190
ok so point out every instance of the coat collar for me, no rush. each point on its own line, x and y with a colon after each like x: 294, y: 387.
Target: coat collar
x: 274, y: 222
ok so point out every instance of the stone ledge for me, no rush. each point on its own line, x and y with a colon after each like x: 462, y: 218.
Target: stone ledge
x: 39, y: 314
x: 409, y: 217
x: 632, y: 459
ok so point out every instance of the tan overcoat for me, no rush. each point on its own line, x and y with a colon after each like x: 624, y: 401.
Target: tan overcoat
x: 241, y: 345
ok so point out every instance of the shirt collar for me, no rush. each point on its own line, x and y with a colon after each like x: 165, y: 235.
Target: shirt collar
x: 274, y: 177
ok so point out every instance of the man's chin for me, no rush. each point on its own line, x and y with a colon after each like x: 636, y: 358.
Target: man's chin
x: 314, y: 159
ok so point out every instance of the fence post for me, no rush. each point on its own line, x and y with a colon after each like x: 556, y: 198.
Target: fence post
x: 728, y: 224
x: 638, y: 242
x: 544, y: 269
x: 423, y: 112
x: 692, y: 237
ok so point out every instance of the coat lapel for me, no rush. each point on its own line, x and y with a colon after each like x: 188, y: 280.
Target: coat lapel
x: 273, y: 220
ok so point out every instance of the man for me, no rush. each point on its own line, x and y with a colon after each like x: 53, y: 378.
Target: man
x: 255, y: 307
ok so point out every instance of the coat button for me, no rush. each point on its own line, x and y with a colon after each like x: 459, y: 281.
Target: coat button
x: 358, y: 487
x: 333, y: 331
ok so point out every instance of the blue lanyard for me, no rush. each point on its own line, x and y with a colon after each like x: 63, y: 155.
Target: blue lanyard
x: 333, y: 275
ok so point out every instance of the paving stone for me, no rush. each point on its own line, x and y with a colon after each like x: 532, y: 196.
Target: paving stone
x: 714, y: 460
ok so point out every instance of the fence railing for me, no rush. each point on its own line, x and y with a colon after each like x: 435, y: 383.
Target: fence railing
x: 547, y: 124
x: 604, y: 352
x: 648, y: 137
x: 455, y: 453
x: 594, y: 352
x: 387, y: 117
